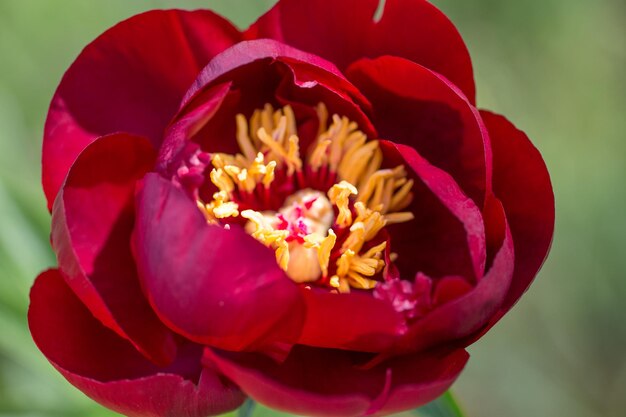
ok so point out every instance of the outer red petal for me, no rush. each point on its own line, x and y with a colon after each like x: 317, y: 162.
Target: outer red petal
x: 129, y: 79
x: 344, y: 31
x: 468, y: 314
x: 521, y: 181
x: 322, y: 382
x: 418, y: 107
x: 111, y: 371
x: 215, y: 286
x: 92, y: 222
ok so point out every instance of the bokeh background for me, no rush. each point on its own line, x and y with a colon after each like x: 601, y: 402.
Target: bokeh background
x: 555, y: 67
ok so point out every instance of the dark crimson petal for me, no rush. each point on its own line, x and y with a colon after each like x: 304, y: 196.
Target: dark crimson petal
x: 350, y: 321
x: 324, y: 382
x: 307, y: 71
x: 215, y: 286
x: 470, y: 312
x: 260, y: 72
x: 450, y: 288
x: 109, y: 370
x: 188, y: 124
x: 129, y: 79
x: 447, y: 235
x: 344, y: 31
x: 92, y: 222
x: 415, y: 106
x: 521, y: 181
x: 250, y: 51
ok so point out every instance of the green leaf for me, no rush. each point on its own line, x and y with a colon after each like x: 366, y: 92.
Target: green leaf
x: 247, y: 408
x: 444, y: 406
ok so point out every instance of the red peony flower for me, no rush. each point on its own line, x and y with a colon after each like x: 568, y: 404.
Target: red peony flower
x: 312, y: 212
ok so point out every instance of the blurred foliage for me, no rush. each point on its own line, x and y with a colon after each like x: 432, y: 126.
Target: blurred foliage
x: 554, y: 67
x: 444, y: 406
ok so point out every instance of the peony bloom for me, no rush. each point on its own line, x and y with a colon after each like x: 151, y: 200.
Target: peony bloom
x: 312, y: 212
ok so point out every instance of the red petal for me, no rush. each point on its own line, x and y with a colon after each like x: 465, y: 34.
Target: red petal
x: 245, y: 53
x: 189, y: 123
x: 447, y: 236
x: 129, y: 79
x: 345, y: 31
x: 322, y: 382
x: 449, y: 289
x: 215, y: 286
x: 350, y: 321
x: 92, y: 222
x: 111, y: 371
x: 469, y: 313
x: 417, y: 107
x: 304, y: 71
x: 521, y: 181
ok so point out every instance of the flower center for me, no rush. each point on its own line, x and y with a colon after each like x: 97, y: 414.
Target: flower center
x: 303, y: 222
x: 321, y: 214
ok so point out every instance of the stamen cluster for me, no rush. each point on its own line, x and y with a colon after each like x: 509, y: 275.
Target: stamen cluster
x: 322, y: 213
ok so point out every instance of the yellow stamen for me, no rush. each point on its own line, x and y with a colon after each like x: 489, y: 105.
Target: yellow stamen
x: 294, y: 163
x: 340, y: 284
x: 356, y: 238
x: 339, y: 130
x: 240, y: 177
x: 322, y: 116
x: 375, y: 250
x: 334, y: 281
x: 292, y: 128
x: 222, y: 181
x: 255, y: 125
x: 357, y: 162
x: 282, y: 255
x: 343, y: 264
x: 354, y: 268
x: 219, y: 208
x: 380, y: 186
x: 245, y: 144
x: 401, y: 217
x: 373, y: 184
x: 373, y: 165
x: 372, y: 219
x: 267, y: 121
x: 207, y: 214
x: 339, y: 195
x: 259, y: 223
x: 269, y: 174
x: 402, y: 197
x: 257, y: 167
x: 324, y: 247
x: 318, y: 155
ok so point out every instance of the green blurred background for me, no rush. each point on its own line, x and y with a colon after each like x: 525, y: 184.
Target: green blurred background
x: 556, y: 68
